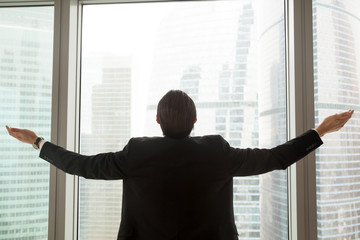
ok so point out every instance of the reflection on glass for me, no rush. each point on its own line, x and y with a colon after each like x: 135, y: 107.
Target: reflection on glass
x: 26, y: 38
x: 227, y: 55
x: 336, y: 29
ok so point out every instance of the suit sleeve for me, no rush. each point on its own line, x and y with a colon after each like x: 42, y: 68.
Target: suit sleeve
x: 107, y: 166
x: 246, y: 162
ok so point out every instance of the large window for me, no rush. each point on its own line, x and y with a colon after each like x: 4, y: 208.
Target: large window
x: 227, y: 55
x: 26, y: 47
x: 337, y: 88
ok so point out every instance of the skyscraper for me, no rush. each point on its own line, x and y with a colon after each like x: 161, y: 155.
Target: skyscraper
x: 100, y: 201
x: 336, y: 35
x: 239, y: 112
x: 189, y: 81
x: 25, y: 101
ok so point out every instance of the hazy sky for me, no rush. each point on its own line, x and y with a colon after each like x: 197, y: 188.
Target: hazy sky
x: 132, y: 30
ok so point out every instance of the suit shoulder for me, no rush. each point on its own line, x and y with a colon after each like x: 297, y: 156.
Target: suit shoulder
x: 212, y: 139
x: 143, y: 141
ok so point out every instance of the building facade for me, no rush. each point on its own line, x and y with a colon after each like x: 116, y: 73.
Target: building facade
x: 99, y: 200
x: 336, y: 32
x: 26, y: 41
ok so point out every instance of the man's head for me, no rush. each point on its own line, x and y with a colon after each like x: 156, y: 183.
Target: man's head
x: 176, y: 114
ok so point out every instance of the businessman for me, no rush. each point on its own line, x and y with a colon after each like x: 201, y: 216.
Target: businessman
x: 179, y: 187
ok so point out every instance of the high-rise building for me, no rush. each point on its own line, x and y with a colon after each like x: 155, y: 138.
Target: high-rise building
x: 189, y: 82
x: 100, y: 202
x: 238, y: 115
x: 25, y: 101
x: 336, y: 32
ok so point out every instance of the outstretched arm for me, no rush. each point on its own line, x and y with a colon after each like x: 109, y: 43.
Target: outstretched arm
x: 108, y: 166
x: 245, y: 162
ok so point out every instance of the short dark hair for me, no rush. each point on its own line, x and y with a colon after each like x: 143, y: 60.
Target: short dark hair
x: 176, y: 114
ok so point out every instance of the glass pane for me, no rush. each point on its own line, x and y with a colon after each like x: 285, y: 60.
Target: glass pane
x: 26, y: 48
x: 336, y: 29
x: 227, y: 55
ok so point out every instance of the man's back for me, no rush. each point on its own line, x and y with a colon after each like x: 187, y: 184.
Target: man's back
x: 179, y: 188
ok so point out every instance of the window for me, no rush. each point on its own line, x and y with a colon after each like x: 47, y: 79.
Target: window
x: 229, y: 56
x: 26, y: 47
x: 336, y: 29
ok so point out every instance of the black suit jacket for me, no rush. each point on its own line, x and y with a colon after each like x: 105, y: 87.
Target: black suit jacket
x: 179, y: 189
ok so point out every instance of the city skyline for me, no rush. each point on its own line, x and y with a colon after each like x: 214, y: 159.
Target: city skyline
x: 273, y: 121
x: 192, y: 77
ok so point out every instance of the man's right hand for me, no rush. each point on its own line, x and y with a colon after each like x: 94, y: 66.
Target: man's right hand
x: 23, y: 135
x: 334, y: 122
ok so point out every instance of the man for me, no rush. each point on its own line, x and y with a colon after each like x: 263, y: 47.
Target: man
x: 176, y: 186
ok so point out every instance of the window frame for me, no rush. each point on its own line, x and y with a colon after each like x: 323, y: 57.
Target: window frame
x: 65, y: 117
x: 300, y: 96
x: 52, y: 196
x: 26, y: 3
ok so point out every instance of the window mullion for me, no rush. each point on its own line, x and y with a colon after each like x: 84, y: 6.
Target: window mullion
x: 302, y: 176
x: 62, y: 208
